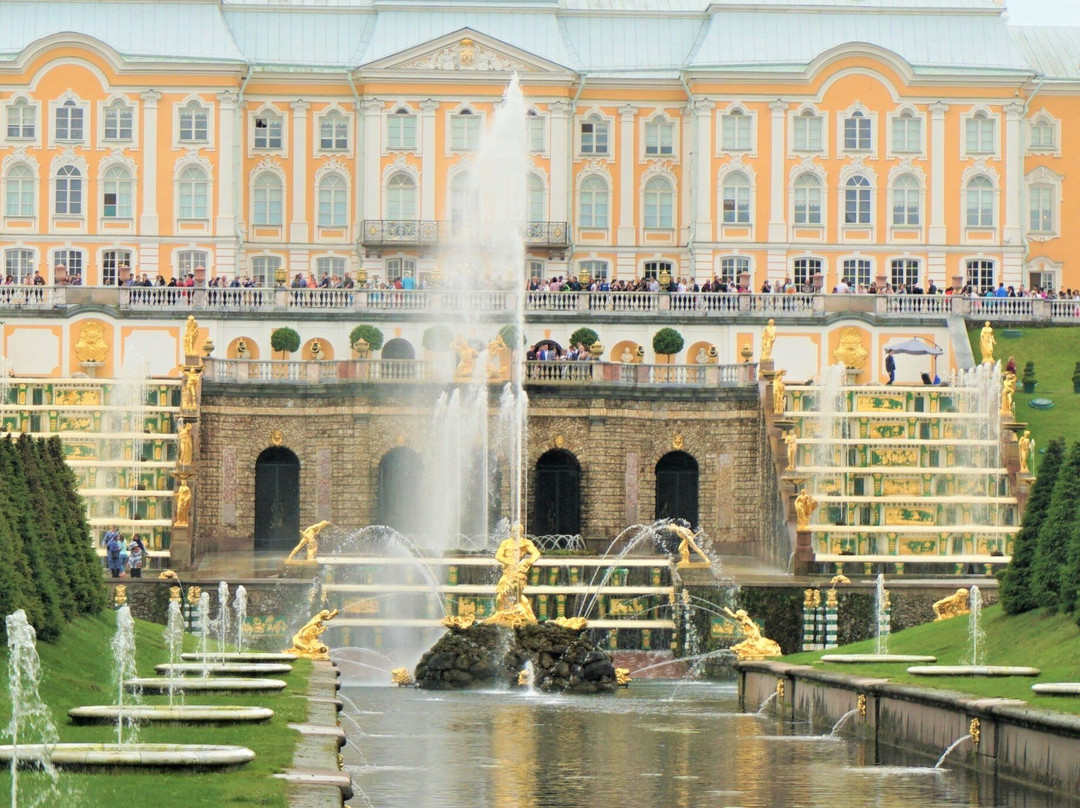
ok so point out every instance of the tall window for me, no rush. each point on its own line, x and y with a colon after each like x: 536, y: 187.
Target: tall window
x: 536, y: 131
x: 906, y: 133
x: 19, y: 191
x: 1041, y: 209
x: 187, y: 261
x: 979, y: 134
x: 194, y: 123
x: 732, y: 267
x: 856, y: 272
x: 264, y: 270
x: 401, y: 197
x: 904, y: 272
x: 655, y: 269
x: 736, y: 198
x: 268, y: 198
x: 804, y: 270
x: 21, y: 120
x: 396, y: 268
x: 808, y: 131
x: 116, y: 187
x: 119, y: 121
x: 534, y: 269
x: 333, y: 132
x: 268, y: 131
x: 980, y: 202
x: 857, y: 200
x: 463, y: 200
x: 737, y: 131
x: 659, y: 204
x: 807, y: 199
x: 857, y: 134
x: 979, y: 274
x: 598, y: 270
x: 594, y: 136
x: 333, y: 201
x: 906, y: 201
x: 194, y: 194
x: 1042, y: 135
x: 332, y: 265
x: 111, y: 261
x: 659, y: 137
x: 69, y: 192
x: 536, y: 201
x: 71, y: 259
x: 19, y: 264
x: 593, y: 210
x: 69, y: 122
x: 465, y: 131
x: 401, y: 129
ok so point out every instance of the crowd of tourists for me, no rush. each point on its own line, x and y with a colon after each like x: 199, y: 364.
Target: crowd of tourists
x: 124, y: 558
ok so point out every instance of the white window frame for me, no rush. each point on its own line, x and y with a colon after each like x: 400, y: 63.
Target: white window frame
x: 989, y: 188
x: 396, y: 266
x: 535, y: 198
x: 25, y: 262
x: 333, y: 116
x: 191, y: 102
x: 822, y: 188
x: 654, y: 268
x: 264, y: 270
x: 1049, y: 270
x: 737, y: 215
x: 26, y: 105
x: 593, y: 223
x: 801, y: 149
x: 535, y: 268
x: 919, y: 190
x: 82, y: 188
x: 271, y: 116
x: 984, y: 270
x: 812, y: 265
x: 394, y: 194
x: 856, y: 270
x: 596, y: 268
x: 121, y: 212
x: 336, y: 265
x: 659, y: 137
x: 112, y: 258
x: 594, y: 118
x: 115, y: 105
x: 986, y: 119
x: 857, y: 195
x: 180, y: 184
x: 7, y: 178
x: 71, y: 102
x: 401, y: 112
x: 263, y: 202
x: 741, y: 123
x: 729, y: 267
x: 905, y: 270
x: 1043, y: 121
x: 338, y: 201
x: 1043, y: 222
x: 536, y: 132
x: 73, y: 259
x: 187, y: 259
x: 910, y: 118
x: 859, y: 115
x: 653, y: 214
x: 465, y: 128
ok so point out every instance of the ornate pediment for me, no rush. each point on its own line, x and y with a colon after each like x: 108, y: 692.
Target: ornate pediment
x: 467, y: 51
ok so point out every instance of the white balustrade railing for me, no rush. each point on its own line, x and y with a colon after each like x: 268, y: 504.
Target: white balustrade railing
x: 918, y: 304
x: 1067, y: 310
x: 31, y: 297
x: 1002, y: 307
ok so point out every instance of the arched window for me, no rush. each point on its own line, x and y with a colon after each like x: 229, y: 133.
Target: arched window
x: 736, y: 198
x: 1042, y: 134
x: 558, y: 494
x: 333, y: 132
x: 119, y: 121
x: 269, y: 131
x: 20, y: 120
x: 333, y: 201
x: 659, y: 203
x: 980, y: 134
x: 69, y: 192
x: 857, y: 200
x: 401, y: 197
x: 400, y: 477
x: 268, y: 201
x: 19, y: 191
x: 465, y: 131
x: 116, y: 189
x: 593, y: 210
x: 194, y: 194
x: 737, y: 131
x: 194, y: 120
x: 906, y: 203
x: 69, y: 122
x: 857, y: 132
x: 277, y: 499
x: 907, y: 132
x: 808, y: 131
x: 398, y: 348
x: 463, y: 199
x: 401, y: 129
x: 807, y: 199
x: 677, y: 487
x: 980, y: 202
x: 537, y: 207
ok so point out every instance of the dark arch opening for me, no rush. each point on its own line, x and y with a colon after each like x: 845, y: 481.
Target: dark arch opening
x: 277, y: 500
x: 398, y: 348
x: 558, y: 494
x: 677, y: 487
x: 400, y: 479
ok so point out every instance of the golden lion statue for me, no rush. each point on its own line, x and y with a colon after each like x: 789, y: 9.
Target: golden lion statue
x: 952, y: 606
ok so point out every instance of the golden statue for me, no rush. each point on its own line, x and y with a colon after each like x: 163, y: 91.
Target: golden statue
x: 1026, y: 445
x: 189, y: 394
x: 792, y: 448
x: 622, y: 677
x: 851, y: 352
x: 952, y: 606
x: 517, y: 554
x: 572, y: 623
x: 401, y: 677
x: 466, y: 359
x: 686, y: 544
x: 309, y: 540
x: 768, y: 337
x: 1008, y: 392
x: 174, y: 594
x: 306, y: 642
x: 754, y: 646
x: 459, y: 622
x: 805, y: 505
x: 184, y: 453
x: 120, y: 595
x: 193, y: 595
x: 92, y: 346
x: 779, y: 404
x: 191, y: 336
x: 496, y: 349
x: 987, y: 343
x: 183, y: 504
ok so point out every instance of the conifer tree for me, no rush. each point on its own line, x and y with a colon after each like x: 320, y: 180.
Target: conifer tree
x: 1017, y: 586
x: 1051, y: 554
x: 43, y: 510
x: 12, y: 520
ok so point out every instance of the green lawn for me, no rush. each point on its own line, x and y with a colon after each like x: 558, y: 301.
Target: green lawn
x: 1050, y: 642
x: 1055, y: 352
x: 76, y: 671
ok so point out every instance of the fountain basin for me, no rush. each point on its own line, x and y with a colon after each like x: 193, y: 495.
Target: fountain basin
x: 123, y: 757
x: 972, y: 670
x: 226, y: 669
x: 246, y: 656
x: 864, y: 659
x: 1057, y: 689
x: 210, y: 684
x: 163, y: 713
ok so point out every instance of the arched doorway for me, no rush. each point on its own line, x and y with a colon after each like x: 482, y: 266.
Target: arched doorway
x: 277, y: 500
x: 677, y: 487
x: 400, y: 478
x: 398, y: 348
x: 558, y: 495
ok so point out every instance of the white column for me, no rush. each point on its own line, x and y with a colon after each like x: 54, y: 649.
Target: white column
x: 225, y: 260
x: 626, y: 233
x: 562, y: 164
x: 777, y: 178
x: 298, y: 225
x: 371, y: 115
x: 1013, y: 193
x: 702, y: 176
x: 427, y: 160
x: 938, y: 228
x: 148, y: 219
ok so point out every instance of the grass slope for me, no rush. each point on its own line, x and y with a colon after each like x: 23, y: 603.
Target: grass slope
x: 1050, y: 642
x: 76, y: 671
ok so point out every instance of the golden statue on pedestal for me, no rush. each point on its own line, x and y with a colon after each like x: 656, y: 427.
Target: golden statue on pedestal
x: 754, y: 646
x: 686, y: 544
x: 987, y: 343
x: 1025, y: 445
x: 517, y: 554
x: 309, y: 542
x: 1008, y: 393
x: 183, y: 504
x: 120, y: 595
x: 768, y: 337
x: 191, y: 336
x: 952, y: 606
x: 185, y: 451
x: 306, y: 642
x: 467, y: 355
x: 189, y: 393
x: 805, y: 505
x: 779, y: 402
x: 792, y: 441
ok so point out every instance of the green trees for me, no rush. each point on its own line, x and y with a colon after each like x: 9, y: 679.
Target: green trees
x: 285, y: 340
x: 369, y: 333
x: 585, y: 335
x: 667, y: 341
x: 1055, y: 533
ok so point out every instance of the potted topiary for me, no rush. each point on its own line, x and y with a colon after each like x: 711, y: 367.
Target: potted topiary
x: 369, y: 334
x: 1076, y: 378
x: 437, y: 338
x: 285, y: 340
x: 586, y: 336
x: 509, y: 334
x: 667, y: 342
x: 1028, y: 380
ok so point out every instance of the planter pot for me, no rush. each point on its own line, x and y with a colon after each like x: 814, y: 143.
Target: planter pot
x: 1029, y: 387
x: 1076, y: 387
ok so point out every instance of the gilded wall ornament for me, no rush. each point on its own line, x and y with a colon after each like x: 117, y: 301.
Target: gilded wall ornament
x: 92, y: 346
x: 277, y: 437
x: 678, y: 442
x: 851, y: 351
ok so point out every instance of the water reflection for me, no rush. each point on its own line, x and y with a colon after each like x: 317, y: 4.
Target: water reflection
x: 656, y: 744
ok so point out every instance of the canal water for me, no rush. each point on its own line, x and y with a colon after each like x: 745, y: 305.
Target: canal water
x: 659, y: 744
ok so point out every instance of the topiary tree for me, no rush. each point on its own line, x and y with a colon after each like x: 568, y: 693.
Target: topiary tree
x: 437, y: 338
x: 1076, y: 378
x: 1029, y: 381
x: 509, y: 334
x: 1017, y: 586
x: 1055, y: 534
x: 286, y: 340
x: 667, y: 341
x: 369, y: 333
x: 586, y: 336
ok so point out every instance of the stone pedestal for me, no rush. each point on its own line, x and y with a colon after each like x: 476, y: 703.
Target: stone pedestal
x: 804, y: 553
x: 300, y: 568
x: 180, y: 548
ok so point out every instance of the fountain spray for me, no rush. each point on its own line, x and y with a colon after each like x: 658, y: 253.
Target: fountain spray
x: 204, y: 628
x: 223, y: 618
x: 174, y: 641
x: 123, y: 649
x: 240, y: 607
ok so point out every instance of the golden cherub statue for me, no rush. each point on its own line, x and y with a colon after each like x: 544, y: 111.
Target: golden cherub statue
x: 779, y: 401
x: 805, y: 505
x: 306, y: 642
x: 467, y: 355
x: 517, y: 554
x: 754, y: 646
x: 987, y: 343
x: 120, y: 595
x: 1026, y: 445
x: 952, y: 606
x: 309, y: 541
x: 622, y: 677
x: 768, y: 337
x: 686, y: 544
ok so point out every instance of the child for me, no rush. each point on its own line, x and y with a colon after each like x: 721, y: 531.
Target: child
x: 136, y: 556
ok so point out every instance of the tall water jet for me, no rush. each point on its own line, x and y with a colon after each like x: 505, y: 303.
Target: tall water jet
x: 174, y: 641
x: 204, y: 629
x: 127, y: 421
x: 240, y: 607
x: 223, y: 618
x: 975, y: 629
x: 882, y: 613
x: 123, y: 649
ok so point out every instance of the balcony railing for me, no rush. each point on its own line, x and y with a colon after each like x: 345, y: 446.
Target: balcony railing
x: 419, y: 232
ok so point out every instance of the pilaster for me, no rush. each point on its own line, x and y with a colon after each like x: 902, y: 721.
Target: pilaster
x: 427, y: 159
x: 371, y: 116
x: 777, y: 225
x: 626, y: 234
x: 298, y: 225
x: 561, y: 164
x: 938, y: 229
x: 149, y: 224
